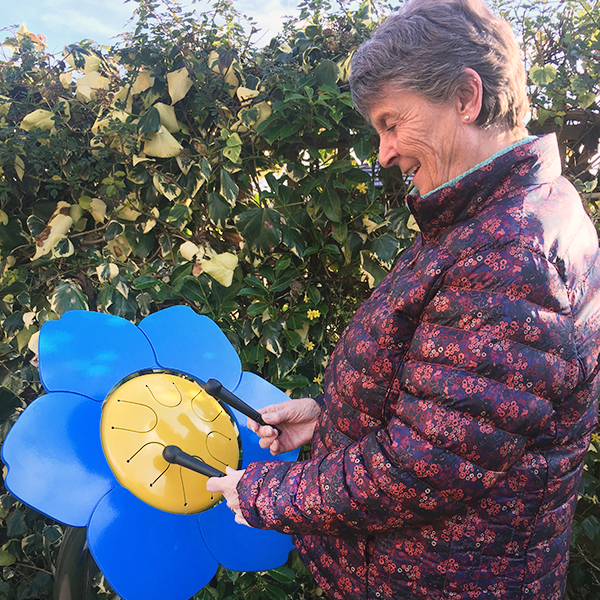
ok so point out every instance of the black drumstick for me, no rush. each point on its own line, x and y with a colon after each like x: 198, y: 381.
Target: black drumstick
x: 176, y: 456
x: 216, y: 389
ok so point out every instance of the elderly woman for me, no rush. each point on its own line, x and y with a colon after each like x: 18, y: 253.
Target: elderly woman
x: 447, y: 447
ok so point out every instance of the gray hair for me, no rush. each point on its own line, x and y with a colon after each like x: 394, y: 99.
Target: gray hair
x: 425, y: 48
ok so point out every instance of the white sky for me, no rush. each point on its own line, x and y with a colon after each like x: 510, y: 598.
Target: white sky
x: 67, y: 21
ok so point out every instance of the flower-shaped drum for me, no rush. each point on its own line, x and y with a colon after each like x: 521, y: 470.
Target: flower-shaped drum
x: 90, y: 451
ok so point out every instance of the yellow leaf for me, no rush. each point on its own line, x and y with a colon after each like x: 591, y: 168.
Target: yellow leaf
x: 38, y: 119
x: 5, y: 104
x: 63, y: 105
x: 89, y: 84
x: 124, y: 94
x: 213, y: 61
x: 149, y: 98
x: 33, y: 343
x: 239, y: 127
x: 185, y: 163
x: 179, y: 83
x: 303, y: 333
x: 232, y: 80
x: 80, y: 225
x: 412, y: 224
x: 84, y: 93
x: 128, y: 213
x: 188, y: 250
x: 221, y: 267
x: 149, y: 225
x: 76, y: 212
x: 167, y: 117
x: 57, y: 228
x: 264, y: 112
x: 38, y: 39
x: 138, y: 159
x: 98, y: 210
x: 168, y: 190
x: 3, y: 218
x: 28, y: 318
x: 91, y: 61
x: 113, y: 115
x: 142, y: 82
x: 120, y: 247
x: 162, y: 144
x: 371, y: 226
x: 66, y: 79
x: 107, y: 272
x: 19, y: 167
x: 246, y: 94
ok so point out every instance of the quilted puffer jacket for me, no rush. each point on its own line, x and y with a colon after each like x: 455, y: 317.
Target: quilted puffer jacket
x: 459, y: 404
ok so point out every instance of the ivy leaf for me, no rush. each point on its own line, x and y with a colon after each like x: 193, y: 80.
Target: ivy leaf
x: 179, y: 215
x: 32, y: 544
x: 52, y: 534
x: 144, y: 302
x: 271, y: 337
x: 229, y: 189
x: 260, y: 228
x: 193, y: 290
x: 283, y: 574
x: 371, y: 269
x: 274, y: 593
x: 256, y: 308
x: 586, y: 99
x: 218, y: 208
x: 10, y: 408
x: 386, y: 248
x: 591, y: 526
x: 362, y: 148
x: 113, y: 230
x: 67, y: 296
x: 15, y: 524
x: 150, y: 121
x: 294, y: 240
x: 6, y: 558
x: 144, y: 282
x: 38, y: 588
x: 221, y: 267
x: 542, y: 75
x: 179, y: 83
x: 330, y: 202
x: 12, y: 235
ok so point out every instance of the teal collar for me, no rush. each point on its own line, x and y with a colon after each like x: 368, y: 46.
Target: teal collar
x: 481, y: 164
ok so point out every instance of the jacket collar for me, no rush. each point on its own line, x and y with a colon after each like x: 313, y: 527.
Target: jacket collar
x: 531, y: 163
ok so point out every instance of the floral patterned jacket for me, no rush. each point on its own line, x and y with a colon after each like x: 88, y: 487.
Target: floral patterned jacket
x: 459, y: 403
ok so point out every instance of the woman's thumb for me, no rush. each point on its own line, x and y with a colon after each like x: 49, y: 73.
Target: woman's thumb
x: 272, y: 418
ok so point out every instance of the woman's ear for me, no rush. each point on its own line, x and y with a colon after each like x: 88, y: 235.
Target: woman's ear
x: 469, y: 96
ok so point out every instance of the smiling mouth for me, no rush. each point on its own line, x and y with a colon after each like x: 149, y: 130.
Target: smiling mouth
x: 412, y: 171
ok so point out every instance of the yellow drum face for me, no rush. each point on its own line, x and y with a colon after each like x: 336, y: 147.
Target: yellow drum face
x: 150, y: 411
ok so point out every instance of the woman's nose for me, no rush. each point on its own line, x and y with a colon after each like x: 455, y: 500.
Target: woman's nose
x: 387, y: 152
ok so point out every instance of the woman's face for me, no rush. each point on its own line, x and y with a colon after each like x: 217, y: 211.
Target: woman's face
x: 424, y: 139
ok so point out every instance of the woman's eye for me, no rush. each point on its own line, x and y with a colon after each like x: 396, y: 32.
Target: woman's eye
x: 391, y: 128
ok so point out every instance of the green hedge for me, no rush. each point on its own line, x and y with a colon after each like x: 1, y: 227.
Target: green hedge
x: 187, y: 165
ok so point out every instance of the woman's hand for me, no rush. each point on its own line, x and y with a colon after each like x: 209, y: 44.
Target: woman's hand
x: 228, y: 487
x: 297, y: 420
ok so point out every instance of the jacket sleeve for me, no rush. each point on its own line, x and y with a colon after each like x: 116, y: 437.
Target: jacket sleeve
x: 493, y: 351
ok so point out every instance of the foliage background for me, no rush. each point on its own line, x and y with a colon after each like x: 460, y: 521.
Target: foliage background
x: 187, y: 165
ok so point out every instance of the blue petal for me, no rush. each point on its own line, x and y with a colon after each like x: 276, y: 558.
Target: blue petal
x: 192, y: 344
x: 241, y: 548
x: 258, y: 393
x: 148, y: 554
x: 55, y: 459
x: 89, y: 353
